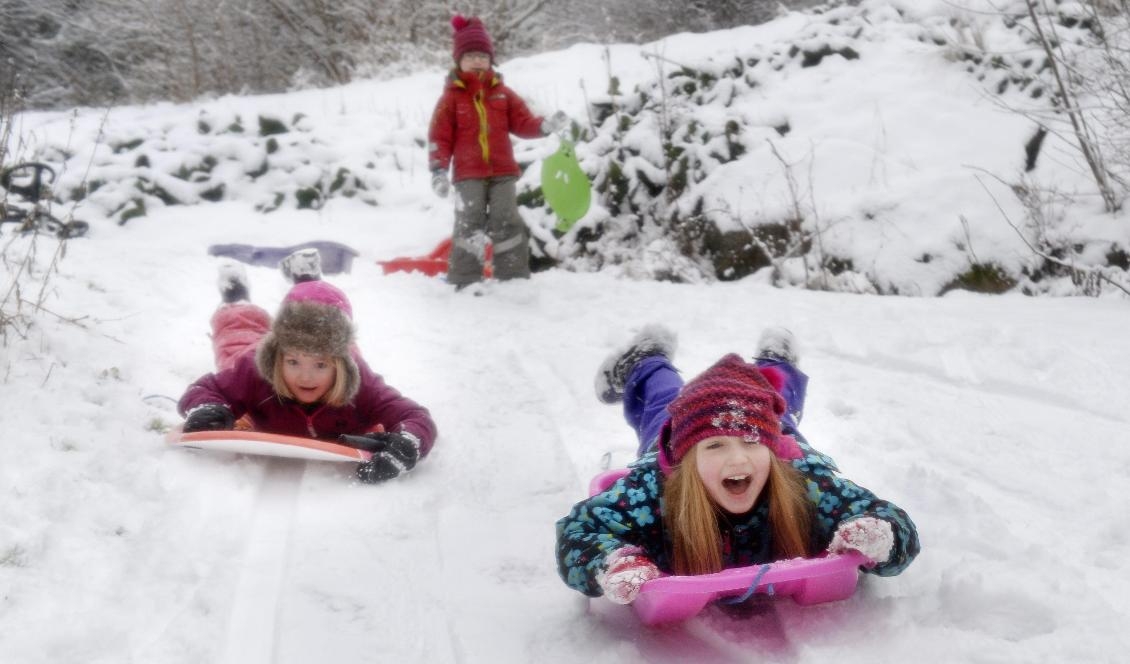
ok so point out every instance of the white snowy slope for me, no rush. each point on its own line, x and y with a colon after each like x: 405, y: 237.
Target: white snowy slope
x: 998, y: 422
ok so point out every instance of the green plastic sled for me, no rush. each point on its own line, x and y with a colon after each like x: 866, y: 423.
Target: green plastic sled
x: 565, y: 186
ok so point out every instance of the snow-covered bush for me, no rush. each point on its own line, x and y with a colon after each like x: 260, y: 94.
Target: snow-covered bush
x: 665, y: 159
x: 28, y: 260
x: 705, y: 164
x: 1063, y: 66
x: 273, y: 161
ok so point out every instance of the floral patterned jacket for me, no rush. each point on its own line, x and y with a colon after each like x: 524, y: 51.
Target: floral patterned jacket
x: 630, y: 512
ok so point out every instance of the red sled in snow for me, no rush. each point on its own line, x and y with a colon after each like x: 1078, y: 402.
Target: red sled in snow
x: 433, y: 264
x: 807, y: 580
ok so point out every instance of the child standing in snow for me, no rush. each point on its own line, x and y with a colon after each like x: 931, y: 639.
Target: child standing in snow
x: 301, y: 375
x: 724, y: 480
x: 471, y: 127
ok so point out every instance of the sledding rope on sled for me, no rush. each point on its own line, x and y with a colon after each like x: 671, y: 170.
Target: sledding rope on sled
x: 752, y: 588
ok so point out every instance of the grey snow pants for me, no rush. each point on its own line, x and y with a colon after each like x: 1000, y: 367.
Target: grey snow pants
x: 486, y: 210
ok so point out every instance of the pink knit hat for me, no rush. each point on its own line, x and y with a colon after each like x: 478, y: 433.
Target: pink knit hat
x: 322, y: 293
x: 731, y: 398
x: 470, y: 35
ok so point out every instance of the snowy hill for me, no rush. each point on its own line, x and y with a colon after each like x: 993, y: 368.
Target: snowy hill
x: 999, y: 423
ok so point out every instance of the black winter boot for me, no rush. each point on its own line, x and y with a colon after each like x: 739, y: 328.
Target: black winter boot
x: 653, y: 339
x: 302, y: 265
x: 233, y: 283
x: 778, y: 343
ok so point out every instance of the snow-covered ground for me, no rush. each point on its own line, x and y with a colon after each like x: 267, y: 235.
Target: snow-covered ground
x: 999, y: 423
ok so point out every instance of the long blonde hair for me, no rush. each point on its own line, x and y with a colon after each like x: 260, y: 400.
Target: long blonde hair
x: 336, y: 396
x: 692, y: 517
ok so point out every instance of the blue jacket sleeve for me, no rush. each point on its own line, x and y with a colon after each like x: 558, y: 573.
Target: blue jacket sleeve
x: 838, y: 500
x: 627, y: 514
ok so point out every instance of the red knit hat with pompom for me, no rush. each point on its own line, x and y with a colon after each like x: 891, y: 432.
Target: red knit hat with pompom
x: 470, y: 35
x: 731, y: 398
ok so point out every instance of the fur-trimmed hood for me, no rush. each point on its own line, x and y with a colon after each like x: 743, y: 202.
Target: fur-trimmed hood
x: 314, y: 318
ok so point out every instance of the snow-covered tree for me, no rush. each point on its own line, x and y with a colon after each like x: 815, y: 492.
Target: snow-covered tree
x: 84, y: 52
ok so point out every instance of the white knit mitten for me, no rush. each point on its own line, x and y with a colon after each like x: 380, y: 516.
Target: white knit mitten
x: 872, y: 537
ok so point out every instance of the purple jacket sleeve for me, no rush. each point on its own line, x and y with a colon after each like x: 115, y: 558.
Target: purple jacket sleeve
x: 229, y: 387
x: 381, y: 403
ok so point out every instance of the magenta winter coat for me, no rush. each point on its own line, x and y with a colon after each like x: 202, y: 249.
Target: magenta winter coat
x: 377, y: 406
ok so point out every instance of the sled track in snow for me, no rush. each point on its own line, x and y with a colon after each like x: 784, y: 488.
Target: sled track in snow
x: 709, y: 638
x: 252, y: 630
x: 537, y: 377
x: 961, y: 375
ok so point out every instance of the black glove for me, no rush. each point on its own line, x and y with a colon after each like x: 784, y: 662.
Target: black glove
x: 393, y: 453
x: 209, y: 417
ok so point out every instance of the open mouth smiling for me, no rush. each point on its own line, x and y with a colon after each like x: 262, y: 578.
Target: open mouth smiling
x: 737, y: 484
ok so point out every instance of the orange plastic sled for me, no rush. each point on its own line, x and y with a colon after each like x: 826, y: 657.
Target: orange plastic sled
x: 434, y: 264
x: 254, y: 442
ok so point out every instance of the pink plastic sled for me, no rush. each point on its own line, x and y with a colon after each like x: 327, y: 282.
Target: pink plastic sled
x: 806, y: 580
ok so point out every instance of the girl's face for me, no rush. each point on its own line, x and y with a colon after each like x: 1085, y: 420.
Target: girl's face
x: 475, y: 61
x: 308, y: 377
x: 733, y: 469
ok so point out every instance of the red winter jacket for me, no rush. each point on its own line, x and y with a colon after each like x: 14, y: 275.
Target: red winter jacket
x: 472, y: 124
x: 376, y: 405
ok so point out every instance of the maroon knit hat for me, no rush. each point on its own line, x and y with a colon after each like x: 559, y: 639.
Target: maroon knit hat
x: 731, y: 398
x: 469, y: 35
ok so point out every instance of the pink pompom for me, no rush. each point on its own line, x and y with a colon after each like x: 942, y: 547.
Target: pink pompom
x: 458, y: 22
x: 775, y: 376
